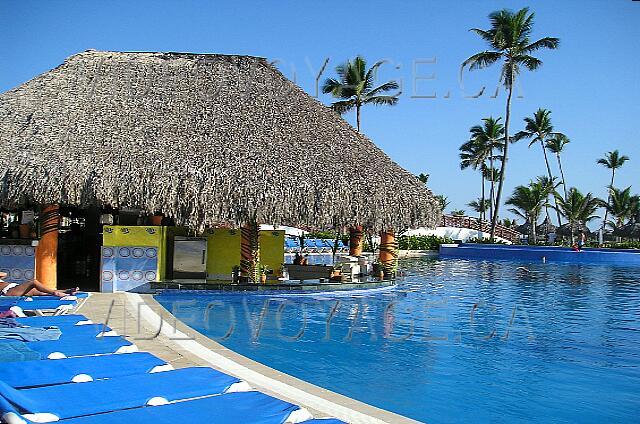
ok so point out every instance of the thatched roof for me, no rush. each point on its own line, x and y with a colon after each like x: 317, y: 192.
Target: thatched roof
x: 546, y: 227
x: 631, y: 230
x: 524, y: 228
x: 565, y: 229
x: 206, y: 139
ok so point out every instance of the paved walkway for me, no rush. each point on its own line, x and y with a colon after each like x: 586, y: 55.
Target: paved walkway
x: 152, y: 328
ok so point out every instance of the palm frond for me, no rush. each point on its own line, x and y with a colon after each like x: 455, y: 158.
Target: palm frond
x: 343, y: 106
x: 508, y: 73
x: 381, y: 100
x: 551, y: 43
x: 481, y: 60
x: 332, y: 86
x: 529, y: 62
x: 485, y: 35
x: 370, y: 76
x: 387, y: 86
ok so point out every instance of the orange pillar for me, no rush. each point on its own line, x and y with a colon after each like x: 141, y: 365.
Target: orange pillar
x: 250, y: 252
x: 47, y: 250
x: 355, y: 240
x: 388, y: 252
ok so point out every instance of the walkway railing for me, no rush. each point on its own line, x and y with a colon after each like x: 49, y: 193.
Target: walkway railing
x: 478, y: 225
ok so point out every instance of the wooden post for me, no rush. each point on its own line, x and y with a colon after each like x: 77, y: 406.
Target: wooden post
x: 47, y: 250
x: 355, y: 240
x: 250, y: 252
x: 388, y: 253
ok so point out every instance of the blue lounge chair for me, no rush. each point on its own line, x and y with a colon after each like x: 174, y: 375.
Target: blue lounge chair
x: 78, y: 295
x: 49, y: 302
x: 323, y: 421
x: 51, y: 403
x: 309, y: 245
x: 82, y: 369
x: 59, y: 321
x: 75, y: 296
x: 31, y: 303
x: 232, y: 408
x: 76, y: 331
x: 19, y: 305
x: 79, y: 346
x: 322, y: 245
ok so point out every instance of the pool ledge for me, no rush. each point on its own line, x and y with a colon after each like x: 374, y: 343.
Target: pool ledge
x: 150, y: 326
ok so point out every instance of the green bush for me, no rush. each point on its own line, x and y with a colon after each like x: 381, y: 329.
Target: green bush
x: 422, y: 242
x: 618, y: 245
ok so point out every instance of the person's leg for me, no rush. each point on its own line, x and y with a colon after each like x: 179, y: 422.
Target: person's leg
x: 35, y: 288
x: 24, y: 289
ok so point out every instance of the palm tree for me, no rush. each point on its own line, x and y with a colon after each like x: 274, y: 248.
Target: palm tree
x: 509, y: 223
x: 443, y: 201
x: 613, y: 161
x: 355, y: 85
x: 528, y: 203
x: 491, y: 135
x: 635, y: 209
x: 473, y: 155
x: 549, y: 185
x: 509, y: 40
x: 479, y: 205
x: 458, y: 212
x: 555, y: 145
x: 423, y: 178
x: 492, y: 175
x: 578, y: 208
x: 539, y: 129
x: 621, y: 206
x: 484, y: 140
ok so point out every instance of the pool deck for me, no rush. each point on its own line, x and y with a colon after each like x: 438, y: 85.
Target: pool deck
x: 152, y: 328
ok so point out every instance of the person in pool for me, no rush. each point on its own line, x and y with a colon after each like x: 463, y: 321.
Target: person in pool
x: 30, y: 288
x: 582, y: 240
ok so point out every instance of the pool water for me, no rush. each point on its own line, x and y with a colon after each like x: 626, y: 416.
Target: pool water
x: 456, y: 340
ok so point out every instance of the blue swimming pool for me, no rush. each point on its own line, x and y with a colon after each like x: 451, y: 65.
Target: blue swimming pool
x: 456, y: 341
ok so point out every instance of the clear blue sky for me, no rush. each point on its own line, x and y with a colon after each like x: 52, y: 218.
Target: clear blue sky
x: 590, y: 83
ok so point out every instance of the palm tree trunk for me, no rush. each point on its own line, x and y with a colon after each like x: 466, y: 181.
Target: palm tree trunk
x: 546, y: 162
x: 533, y: 228
x: 491, y: 194
x: 494, y: 219
x: 358, y: 115
x: 572, y: 237
x: 606, y: 211
x: 482, y: 196
x: 564, y: 183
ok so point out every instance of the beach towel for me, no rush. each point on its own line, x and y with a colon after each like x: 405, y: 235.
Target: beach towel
x: 29, y: 334
x: 13, y: 351
x: 8, y: 322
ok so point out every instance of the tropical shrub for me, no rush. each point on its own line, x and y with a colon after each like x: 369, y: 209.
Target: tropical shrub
x: 422, y: 242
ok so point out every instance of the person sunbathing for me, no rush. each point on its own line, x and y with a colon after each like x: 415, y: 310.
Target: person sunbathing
x: 30, y: 288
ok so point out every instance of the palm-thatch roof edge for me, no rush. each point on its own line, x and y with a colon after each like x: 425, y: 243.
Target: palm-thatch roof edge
x: 207, y: 139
